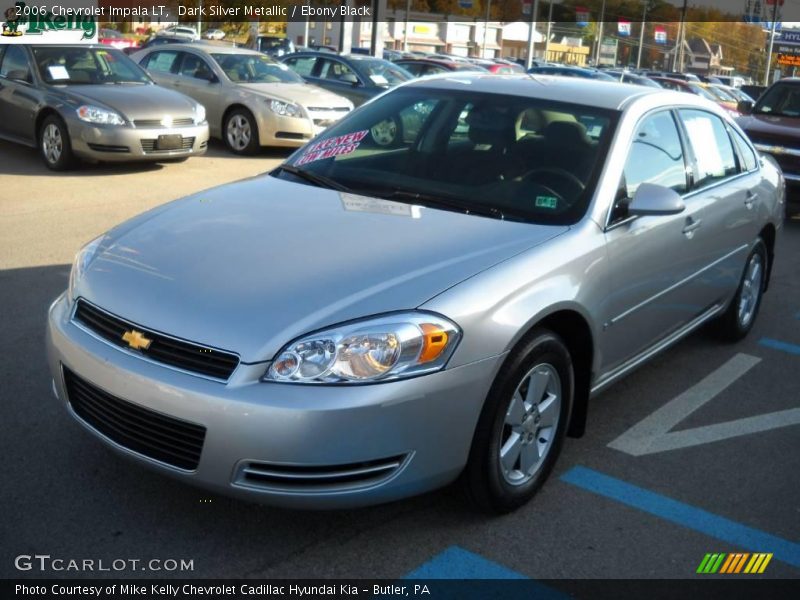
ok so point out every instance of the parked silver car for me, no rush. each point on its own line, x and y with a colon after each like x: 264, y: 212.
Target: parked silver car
x: 93, y: 102
x: 252, y: 100
x: 369, y: 322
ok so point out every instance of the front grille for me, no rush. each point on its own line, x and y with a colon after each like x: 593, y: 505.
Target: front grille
x: 149, y: 145
x: 317, y: 478
x: 170, y: 351
x: 166, y: 439
x: 107, y: 148
x: 188, y: 122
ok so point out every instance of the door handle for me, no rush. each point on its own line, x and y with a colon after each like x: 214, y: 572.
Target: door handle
x: 692, y: 225
x: 750, y: 199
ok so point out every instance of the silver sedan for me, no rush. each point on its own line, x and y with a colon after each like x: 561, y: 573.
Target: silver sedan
x: 252, y: 100
x: 372, y: 321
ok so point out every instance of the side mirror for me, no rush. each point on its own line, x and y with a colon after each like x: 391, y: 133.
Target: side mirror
x: 349, y: 78
x: 655, y: 200
x: 745, y: 107
x: 19, y: 75
x: 209, y: 77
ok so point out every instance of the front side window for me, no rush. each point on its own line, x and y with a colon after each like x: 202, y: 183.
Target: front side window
x: 303, y: 66
x: 491, y: 154
x: 195, y: 67
x: 711, y: 146
x: 333, y: 69
x: 656, y: 156
x: 15, y: 64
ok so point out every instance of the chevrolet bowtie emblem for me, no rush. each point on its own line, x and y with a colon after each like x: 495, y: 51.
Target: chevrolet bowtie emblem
x: 136, y: 340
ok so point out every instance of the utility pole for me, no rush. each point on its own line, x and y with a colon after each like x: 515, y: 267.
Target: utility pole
x: 549, y: 26
x: 600, y: 33
x: 199, y: 18
x: 771, y: 42
x: 405, y: 27
x: 486, y: 26
x: 677, y: 60
x: 641, y: 35
x: 532, y: 34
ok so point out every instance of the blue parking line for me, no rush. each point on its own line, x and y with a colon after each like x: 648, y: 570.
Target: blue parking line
x: 457, y: 563
x: 686, y: 515
x: 779, y: 345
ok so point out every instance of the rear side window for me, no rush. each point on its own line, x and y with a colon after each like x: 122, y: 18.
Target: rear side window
x: 656, y: 156
x: 161, y: 61
x: 194, y: 66
x: 749, y: 158
x: 712, y: 147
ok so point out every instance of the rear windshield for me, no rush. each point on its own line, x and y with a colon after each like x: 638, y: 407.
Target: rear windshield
x: 499, y: 155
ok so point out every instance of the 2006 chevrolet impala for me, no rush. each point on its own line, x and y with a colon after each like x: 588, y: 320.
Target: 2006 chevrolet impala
x: 432, y: 289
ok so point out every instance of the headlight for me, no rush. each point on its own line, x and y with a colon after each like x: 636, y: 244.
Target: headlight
x: 199, y: 114
x: 101, y: 116
x: 379, y: 349
x: 286, y: 109
x: 81, y: 262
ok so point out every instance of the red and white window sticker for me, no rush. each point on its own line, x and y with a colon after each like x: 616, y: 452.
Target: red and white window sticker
x: 335, y: 146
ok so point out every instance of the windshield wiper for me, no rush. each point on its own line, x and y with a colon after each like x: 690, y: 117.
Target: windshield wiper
x: 445, y: 202
x: 318, y: 180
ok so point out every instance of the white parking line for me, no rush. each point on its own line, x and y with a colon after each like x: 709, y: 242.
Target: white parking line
x: 652, y: 434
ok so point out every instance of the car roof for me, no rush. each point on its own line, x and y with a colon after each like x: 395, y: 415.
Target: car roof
x: 206, y: 47
x: 602, y: 94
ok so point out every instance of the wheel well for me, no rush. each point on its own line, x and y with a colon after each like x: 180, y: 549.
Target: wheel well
x: 43, y: 114
x: 768, y: 235
x: 577, y: 335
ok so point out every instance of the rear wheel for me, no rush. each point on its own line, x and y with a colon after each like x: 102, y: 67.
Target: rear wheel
x: 522, y: 426
x: 54, y: 144
x: 738, y: 320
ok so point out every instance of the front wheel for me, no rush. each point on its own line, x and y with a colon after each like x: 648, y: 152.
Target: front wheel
x: 241, y: 132
x: 54, y: 144
x: 738, y: 320
x: 522, y: 425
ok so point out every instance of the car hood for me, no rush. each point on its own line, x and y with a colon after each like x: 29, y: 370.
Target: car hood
x: 299, y: 93
x: 771, y: 125
x: 249, y: 266
x: 135, y: 101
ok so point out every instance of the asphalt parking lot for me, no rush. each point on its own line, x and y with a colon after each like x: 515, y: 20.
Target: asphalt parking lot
x: 695, y: 453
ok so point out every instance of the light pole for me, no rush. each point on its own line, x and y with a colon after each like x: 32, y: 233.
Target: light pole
x: 641, y: 35
x: 532, y: 34
x: 549, y: 25
x: 600, y: 33
x: 486, y: 26
x: 405, y: 27
x: 771, y: 41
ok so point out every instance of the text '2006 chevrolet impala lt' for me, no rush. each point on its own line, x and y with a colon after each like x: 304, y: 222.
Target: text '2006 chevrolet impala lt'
x: 431, y: 290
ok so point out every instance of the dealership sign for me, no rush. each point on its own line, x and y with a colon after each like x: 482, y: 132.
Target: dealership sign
x: 40, y: 24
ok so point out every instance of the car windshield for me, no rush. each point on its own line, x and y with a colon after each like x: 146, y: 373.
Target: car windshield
x: 382, y: 72
x: 72, y: 65
x: 255, y: 68
x: 503, y: 156
x: 780, y: 100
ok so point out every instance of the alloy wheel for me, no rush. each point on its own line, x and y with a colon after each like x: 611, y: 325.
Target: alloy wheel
x: 52, y: 143
x: 751, y: 290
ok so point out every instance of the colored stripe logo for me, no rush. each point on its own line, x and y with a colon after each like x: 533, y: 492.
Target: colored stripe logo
x: 737, y: 562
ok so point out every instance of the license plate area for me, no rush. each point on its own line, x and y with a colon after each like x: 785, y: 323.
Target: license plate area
x: 169, y: 142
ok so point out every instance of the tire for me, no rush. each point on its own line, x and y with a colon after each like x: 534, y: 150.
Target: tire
x: 738, y: 320
x: 54, y: 144
x: 387, y: 133
x: 514, y: 449
x: 240, y: 132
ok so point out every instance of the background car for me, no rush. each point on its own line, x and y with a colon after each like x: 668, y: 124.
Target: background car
x: 420, y: 67
x: 353, y: 76
x: 271, y: 45
x: 628, y: 77
x: 179, y: 31
x: 112, y: 37
x: 93, y: 102
x: 213, y: 34
x: 698, y: 89
x: 251, y: 99
x: 571, y: 72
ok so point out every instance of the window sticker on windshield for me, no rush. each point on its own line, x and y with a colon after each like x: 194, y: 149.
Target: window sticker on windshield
x: 379, y: 79
x: 58, y: 72
x: 550, y: 202
x: 335, y: 146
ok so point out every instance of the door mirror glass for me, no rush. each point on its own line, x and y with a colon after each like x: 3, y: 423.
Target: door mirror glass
x: 745, y: 107
x: 19, y: 75
x: 653, y: 200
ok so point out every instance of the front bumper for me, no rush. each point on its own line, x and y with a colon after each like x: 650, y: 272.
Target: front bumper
x: 291, y: 132
x: 127, y: 143
x: 424, y: 424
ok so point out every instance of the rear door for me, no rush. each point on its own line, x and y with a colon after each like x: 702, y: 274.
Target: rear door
x: 334, y: 75
x: 194, y: 78
x: 726, y: 184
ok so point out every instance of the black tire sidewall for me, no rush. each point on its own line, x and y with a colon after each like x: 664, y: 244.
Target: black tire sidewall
x: 65, y: 161
x: 487, y: 487
x: 252, y: 146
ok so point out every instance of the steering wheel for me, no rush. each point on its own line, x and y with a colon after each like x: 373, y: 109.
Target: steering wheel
x: 563, y: 175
